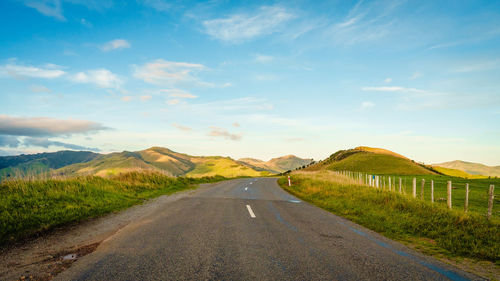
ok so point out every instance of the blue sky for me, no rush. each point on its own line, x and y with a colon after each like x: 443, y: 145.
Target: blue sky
x: 252, y: 79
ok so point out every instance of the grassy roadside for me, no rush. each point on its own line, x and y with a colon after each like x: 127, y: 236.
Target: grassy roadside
x: 30, y: 207
x: 449, y: 233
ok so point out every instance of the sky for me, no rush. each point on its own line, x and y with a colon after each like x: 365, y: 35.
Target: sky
x: 252, y: 79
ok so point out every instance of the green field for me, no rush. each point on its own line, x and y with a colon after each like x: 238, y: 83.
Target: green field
x: 30, y: 207
x: 438, y: 230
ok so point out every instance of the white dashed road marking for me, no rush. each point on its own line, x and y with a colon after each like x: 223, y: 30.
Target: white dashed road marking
x: 250, y: 211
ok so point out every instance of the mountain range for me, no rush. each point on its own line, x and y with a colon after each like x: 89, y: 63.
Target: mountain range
x: 166, y: 161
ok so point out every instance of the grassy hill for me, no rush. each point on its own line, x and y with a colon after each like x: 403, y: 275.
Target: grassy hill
x: 371, y: 160
x: 276, y: 165
x: 457, y: 173
x: 35, y: 164
x: 472, y: 168
x: 161, y: 160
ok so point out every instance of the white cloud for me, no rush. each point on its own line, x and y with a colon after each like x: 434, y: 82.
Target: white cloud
x: 115, y: 44
x: 50, y: 71
x: 263, y: 58
x: 100, y: 77
x: 236, y: 124
x: 238, y: 28
x: 219, y: 132
x: 169, y: 73
x: 126, y: 98
x: 367, y: 104
x: 388, y: 80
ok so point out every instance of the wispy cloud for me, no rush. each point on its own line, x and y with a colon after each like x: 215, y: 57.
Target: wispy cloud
x: 159, y: 5
x: 388, y: 80
x: 243, y: 27
x: 45, y: 126
x: 178, y: 93
x: 182, y: 128
x: 250, y: 104
x: 126, y: 98
x: 263, y: 58
x: 115, y: 44
x: 366, y: 21
x: 367, y: 104
x: 49, y: 71
x: 170, y: 73
x: 49, y: 8
x: 146, y: 97
x: 173, y: 101
x: 220, y: 132
x: 54, y: 8
x: 393, y: 89
x: 39, y: 89
x: 100, y: 77
x: 416, y: 75
x: 478, y: 66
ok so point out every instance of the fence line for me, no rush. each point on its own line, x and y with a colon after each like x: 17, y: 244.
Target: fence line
x: 398, y: 185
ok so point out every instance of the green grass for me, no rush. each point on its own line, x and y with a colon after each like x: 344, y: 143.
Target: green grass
x: 449, y: 232
x: 30, y: 207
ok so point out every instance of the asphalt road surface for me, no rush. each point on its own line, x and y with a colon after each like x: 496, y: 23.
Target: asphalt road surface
x: 251, y: 229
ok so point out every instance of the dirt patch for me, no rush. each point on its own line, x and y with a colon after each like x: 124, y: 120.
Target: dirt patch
x: 45, y: 256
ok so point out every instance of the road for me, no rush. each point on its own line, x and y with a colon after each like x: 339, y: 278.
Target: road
x: 251, y: 229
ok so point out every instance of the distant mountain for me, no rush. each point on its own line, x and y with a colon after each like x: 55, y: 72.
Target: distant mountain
x: 162, y: 160
x: 372, y: 160
x: 35, y: 164
x: 472, y: 168
x: 457, y: 173
x: 277, y: 165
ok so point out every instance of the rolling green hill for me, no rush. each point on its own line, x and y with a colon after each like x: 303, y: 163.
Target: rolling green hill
x: 472, y: 168
x: 276, y: 165
x: 35, y: 164
x: 371, y: 160
x: 162, y: 160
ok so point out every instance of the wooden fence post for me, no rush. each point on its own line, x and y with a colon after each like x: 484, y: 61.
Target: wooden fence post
x: 448, y: 198
x: 432, y: 191
x: 389, y: 183
x: 466, y: 206
x: 414, y: 187
x: 490, y: 200
x: 400, y: 190
x: 422, y: 190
